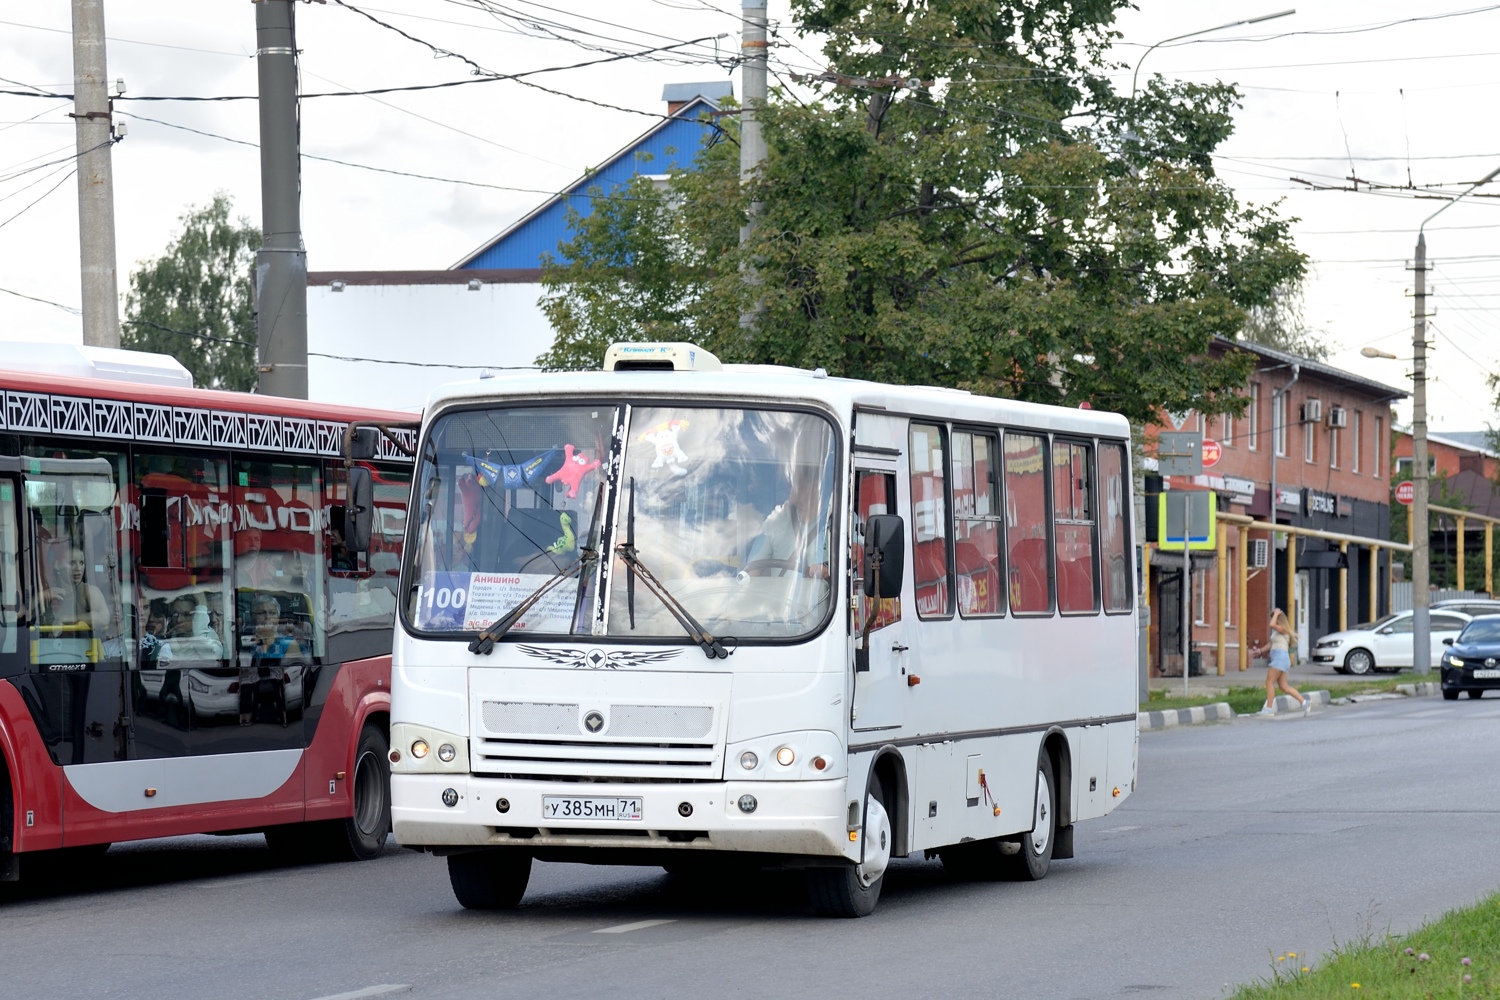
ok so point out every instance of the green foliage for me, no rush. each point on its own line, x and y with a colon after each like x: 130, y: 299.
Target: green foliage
x: 196, y: 301
x: 1457, y: 955
x: 1008, y: 224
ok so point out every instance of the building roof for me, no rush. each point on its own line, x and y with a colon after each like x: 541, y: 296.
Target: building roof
x: 1471, y: 440
x: 1325, y: 371
x: 671, y: 143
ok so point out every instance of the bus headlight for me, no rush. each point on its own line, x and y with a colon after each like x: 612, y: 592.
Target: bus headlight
x: 802, y: 755
x: 446, y: 753
x: 424, y: 750
x: 419, y: 749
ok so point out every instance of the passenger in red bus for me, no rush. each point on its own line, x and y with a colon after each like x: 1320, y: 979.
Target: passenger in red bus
x: 270, y: 650
x: 190, y: 633
x: 792, y: 540
x: 254, y: 569
x: 72, y: 600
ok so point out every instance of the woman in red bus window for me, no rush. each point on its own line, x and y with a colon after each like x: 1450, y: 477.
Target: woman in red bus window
x: 72, y: 600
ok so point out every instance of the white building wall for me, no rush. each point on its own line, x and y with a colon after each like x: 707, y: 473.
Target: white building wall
x: 498, y: 326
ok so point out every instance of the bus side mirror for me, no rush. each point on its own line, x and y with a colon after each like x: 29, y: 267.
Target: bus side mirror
x: 361, y: 443
x: 359, y: 516
x: 885, y: 555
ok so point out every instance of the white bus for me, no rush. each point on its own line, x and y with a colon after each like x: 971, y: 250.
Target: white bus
x: 697, y: 616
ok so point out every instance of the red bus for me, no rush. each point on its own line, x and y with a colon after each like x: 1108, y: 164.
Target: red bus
x: 187, y: 644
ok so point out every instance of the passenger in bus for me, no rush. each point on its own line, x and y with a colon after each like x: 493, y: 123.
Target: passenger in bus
x: 792, y: 539
x: 269, y: 651
x: 190, y: 633
x: 72, y: 600
x: 253, y: 568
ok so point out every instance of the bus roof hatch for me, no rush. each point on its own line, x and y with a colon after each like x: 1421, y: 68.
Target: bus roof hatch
x: 676, y: 357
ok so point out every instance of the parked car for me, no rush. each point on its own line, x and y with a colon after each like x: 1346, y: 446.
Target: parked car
x: 1472, y: 661
x: 1385, y: 644
x: 1471, y: 606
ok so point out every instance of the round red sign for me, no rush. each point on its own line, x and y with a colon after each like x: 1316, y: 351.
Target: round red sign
x: 1212, y: 452
x: 1405, y: 492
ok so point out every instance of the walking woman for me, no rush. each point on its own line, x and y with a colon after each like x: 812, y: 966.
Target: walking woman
x: 1281, y: 664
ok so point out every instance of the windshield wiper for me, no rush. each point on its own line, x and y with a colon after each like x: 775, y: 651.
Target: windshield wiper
x: 588, y: 554
x: 712, y: 647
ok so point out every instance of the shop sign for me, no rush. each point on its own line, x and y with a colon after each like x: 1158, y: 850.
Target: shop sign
x: 1239, y: 491
x: 1290, y: 500
x: 1318, y: 502
x: 1346, y: 506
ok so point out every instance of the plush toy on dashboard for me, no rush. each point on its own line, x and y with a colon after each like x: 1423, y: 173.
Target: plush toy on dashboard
x: 668, y: 453
x: 511, y: 476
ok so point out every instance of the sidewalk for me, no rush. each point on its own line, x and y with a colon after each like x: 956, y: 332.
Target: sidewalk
x: 1304, y: 675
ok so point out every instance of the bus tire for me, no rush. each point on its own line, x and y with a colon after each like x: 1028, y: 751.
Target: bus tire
x: 363, y: 835
x: 489, y: 880
x: 1031, y: 862
x: 852, y: 890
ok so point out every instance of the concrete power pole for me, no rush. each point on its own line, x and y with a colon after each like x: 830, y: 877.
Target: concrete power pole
x: 752, y: 143
x: 96, y: 196
x: 1421, y: 620
x: 281, y: 263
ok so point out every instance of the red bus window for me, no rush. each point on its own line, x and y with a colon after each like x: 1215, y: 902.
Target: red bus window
x: 1073, y: 526
x: 1114, y: 541
x: 1026, y: 524
x: 929, y: 519
x: 874, y: 493
x: 278, y: 548
x: 976, y: 525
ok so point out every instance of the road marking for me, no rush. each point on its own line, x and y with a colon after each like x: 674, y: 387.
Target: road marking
x: 639, y: 925
x: 385, y: 989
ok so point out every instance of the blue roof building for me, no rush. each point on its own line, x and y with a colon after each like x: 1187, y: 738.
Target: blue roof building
x: 672, y: 143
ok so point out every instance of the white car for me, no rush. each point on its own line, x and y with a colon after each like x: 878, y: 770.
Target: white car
x: 1385, y: 644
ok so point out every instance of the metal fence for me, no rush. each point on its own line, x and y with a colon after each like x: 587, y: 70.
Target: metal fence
x: 1401, y: 595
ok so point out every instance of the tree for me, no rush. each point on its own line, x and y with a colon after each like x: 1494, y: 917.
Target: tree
x: 1281, y: 323
x: 967, y: 203
x: 196, y: 301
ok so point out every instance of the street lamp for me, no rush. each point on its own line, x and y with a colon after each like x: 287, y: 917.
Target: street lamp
x: 1205, y: 31
x: 1420, y: 571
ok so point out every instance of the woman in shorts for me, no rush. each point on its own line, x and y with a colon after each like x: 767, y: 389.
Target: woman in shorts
x: 1281, y: 664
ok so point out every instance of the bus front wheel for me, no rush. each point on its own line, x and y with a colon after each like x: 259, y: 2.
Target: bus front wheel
x: 1031, y: 862
x: 489, y: 880
x: 853, y: 890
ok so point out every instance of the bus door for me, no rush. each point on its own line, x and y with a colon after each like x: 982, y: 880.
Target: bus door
x: 77, y: 640
x: 878, y: 633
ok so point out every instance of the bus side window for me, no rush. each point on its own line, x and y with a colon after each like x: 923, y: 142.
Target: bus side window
x: 875, y: 493
x: 278, y: 541
x: 1114, y: 541
x: 976, y: 525
x: 362, y: 586
x: 929, y: 520
x: 10, y: 577
x: 1073, y: 527
x: 1026, y: 557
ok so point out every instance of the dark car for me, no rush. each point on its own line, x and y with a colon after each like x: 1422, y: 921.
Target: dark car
x: 1472, y: 662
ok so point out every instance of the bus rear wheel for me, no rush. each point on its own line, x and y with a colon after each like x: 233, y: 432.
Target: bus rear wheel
x: 489, y: 880
x: 1031, y: 862
x: 853, y: 890
x: 362, y: 836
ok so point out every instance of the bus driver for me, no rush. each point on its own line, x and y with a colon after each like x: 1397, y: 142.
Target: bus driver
x: 792, y: 540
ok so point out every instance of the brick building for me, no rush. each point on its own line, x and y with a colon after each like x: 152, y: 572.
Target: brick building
x: 1323, y: 436
x: 1465, y: 471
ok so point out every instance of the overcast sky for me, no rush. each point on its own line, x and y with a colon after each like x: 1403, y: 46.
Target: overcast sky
x: 1411, y: 100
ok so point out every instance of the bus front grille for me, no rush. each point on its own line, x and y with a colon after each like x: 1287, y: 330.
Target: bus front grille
x: 607, y: 759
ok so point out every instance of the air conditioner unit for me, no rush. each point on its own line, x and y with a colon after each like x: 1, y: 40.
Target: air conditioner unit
x: 1312, y: 411
x: 1338, y: 416
x: 1260, y: 553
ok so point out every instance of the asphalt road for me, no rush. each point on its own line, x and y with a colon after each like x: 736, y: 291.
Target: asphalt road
x: 1245, y: 840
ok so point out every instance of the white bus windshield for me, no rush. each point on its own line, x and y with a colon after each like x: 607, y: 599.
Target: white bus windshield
x: 730, y: 509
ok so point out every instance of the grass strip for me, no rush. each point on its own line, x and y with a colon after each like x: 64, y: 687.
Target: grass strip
x: 1457, y: 955
x: 1249, y: 699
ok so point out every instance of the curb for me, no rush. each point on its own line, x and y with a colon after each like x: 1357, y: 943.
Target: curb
x: 1286, y: 704
x: 1426, y: 689
x: 1217, y: 712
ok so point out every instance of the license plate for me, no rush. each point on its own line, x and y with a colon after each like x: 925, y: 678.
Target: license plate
x: 1480, y: 675
x: 579, y: 807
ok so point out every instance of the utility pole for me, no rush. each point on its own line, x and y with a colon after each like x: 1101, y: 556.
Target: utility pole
x: 1420, y: 619
x: 752, y: 142
x: 96, y: 197
x: 281, y: 263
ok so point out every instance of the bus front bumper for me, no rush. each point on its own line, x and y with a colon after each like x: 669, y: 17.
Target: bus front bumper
x: 788, y: 817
